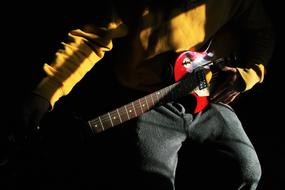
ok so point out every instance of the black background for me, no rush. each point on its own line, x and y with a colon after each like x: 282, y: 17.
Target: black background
x: 30, y: 33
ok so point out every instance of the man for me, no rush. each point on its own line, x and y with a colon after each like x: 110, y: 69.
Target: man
x: 142, y: 36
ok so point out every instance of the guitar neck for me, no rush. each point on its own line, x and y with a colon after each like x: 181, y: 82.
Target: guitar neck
x: 130, y: 110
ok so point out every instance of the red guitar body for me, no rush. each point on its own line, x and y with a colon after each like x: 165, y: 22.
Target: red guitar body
x: 185, y: 63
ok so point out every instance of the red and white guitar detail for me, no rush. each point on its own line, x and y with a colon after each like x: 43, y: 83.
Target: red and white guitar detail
x: 192, y: 73
x: 191, y: 62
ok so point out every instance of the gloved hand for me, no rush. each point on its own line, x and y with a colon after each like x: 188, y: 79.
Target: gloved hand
x: 230, y: 88
x: 32, y: 111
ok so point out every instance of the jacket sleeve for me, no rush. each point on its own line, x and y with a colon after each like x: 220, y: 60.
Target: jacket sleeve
x: 258, y: 42
x: 83, y: 49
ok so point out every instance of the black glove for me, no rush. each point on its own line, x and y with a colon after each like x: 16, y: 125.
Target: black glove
x: 230, y: 88
x: 32, y: 111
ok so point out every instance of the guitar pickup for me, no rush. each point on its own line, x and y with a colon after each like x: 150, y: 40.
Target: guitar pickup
x: 201, y: 78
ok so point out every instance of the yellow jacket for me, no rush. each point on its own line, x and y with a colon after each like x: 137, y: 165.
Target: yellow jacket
x: 150, y: 31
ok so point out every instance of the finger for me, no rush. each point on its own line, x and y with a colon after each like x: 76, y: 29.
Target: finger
x: 227, y: 68
x: 227, y: 97
x: 220, y: 90
x: 218, y: 99
x: 230, y: 99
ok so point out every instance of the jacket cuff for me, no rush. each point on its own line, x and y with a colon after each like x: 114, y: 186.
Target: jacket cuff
x: 49, y: 89
x: 252, y: 76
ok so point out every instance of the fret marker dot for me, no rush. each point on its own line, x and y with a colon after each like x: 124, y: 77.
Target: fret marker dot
x: 95, y: 125
x: 143, y: 105
x: 114, y: 117
x: 130, y: 110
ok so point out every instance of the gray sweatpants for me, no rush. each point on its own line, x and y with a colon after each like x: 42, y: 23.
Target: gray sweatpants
x: 162, y: 130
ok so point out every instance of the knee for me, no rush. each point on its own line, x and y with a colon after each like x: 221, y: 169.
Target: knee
x: 251, y: 175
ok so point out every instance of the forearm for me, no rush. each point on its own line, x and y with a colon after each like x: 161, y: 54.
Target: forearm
x: 71, y: 63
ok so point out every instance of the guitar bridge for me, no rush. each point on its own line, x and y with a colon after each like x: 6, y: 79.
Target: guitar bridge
x: 201, y: 78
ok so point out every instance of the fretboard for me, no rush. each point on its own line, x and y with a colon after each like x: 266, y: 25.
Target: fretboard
x: 128, y: 111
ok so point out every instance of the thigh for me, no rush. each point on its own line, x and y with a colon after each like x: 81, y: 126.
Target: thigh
x: 160, y: 134
x: 220, y: 127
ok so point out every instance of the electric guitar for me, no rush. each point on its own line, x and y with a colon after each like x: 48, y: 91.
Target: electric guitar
x: 193, y: 74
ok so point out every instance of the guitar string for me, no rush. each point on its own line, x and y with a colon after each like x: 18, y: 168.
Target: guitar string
x: 110, y: 115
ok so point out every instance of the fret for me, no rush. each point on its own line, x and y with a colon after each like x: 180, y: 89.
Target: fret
x: 115, y: 118
x: 169, y: 88
x: 102, y: 126
x: 130, y: 110
x: 166, y: 91
x: 162, y: 92
x: 152, y: 99
x: 96, y: 125
x: 146, y: 102
x: 119, y: 115
x: 142, y: 104
x: 134, y: 109
x: 137, y: 107
x: 158, y: 95
x: 127, y: 112
x: 139, y: 100
x: 110, y: 119
x: 106, y: 122
x: 149, y: 101
x: 93, y: 127
x: 123, y: 113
